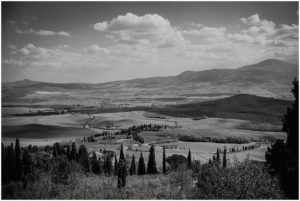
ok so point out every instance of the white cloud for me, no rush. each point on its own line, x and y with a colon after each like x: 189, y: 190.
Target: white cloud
x: 148, y: 29
x: 149, y: 45
x: 95, y: 48
x: 43, y: 32
x: 11, y: 23
x: 12, y: 46
x: 210, y: 34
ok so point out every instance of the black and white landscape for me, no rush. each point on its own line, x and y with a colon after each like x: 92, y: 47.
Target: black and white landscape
x: 149, y: 100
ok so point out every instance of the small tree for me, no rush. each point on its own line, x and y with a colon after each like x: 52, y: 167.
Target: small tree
x: 116, y: 166
x: 122, y: 174
x: 107, y: 166
x: 189, y: 160
x: 224, y: 158
x: 73, y: 151
x: 27, y: 163
x: 84, y: 158
x: 132, y: 170
x: 122, y: 157
x: 151, y: 169
x: 18, y: 160
x: 141, y: 167
x: 68, y: 153
x: 95, y: 164
x: 164, y: 161
x: 55, y: 149
x: 218, y: 160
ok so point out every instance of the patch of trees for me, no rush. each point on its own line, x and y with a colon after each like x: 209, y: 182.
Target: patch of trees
x: 230, y: 139
x: 23, y: 165
x: 89, y: 138
x: 135, y: 130
x: 53, y: 172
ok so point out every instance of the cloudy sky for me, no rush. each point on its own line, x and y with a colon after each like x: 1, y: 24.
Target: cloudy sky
x: 107, y: 41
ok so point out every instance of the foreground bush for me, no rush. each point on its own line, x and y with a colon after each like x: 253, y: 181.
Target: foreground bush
x: 243, y: 180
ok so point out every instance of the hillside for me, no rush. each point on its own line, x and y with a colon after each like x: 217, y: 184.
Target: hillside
x: 269, y: 78
x: 41, y: 131
x: 271, y: 70
x: 244, y: 106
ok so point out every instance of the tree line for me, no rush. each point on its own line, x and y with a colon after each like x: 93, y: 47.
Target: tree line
x: 19, y: 163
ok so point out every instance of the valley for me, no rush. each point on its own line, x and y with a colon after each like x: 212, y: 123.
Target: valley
x: 201, y: 111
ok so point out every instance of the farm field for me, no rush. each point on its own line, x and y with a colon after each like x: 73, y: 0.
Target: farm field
x: 45, y: 130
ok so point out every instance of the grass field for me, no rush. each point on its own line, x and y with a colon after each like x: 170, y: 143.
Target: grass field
x: 42, y: 130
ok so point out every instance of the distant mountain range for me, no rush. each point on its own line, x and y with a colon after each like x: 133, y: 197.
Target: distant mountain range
x: 270, y: 78
x: 267, y: 71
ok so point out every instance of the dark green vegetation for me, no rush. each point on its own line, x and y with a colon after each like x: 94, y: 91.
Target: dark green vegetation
x: 244, y: 106
x: 283, y: 157
x: 60, y: 176
x: 244, y: 180
x: 39, y: 131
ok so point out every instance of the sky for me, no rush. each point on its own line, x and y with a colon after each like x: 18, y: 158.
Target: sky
x: 96, y: 42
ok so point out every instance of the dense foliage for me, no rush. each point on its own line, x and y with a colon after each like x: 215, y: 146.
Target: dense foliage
x: 243, y: 180
x: 282, y: 157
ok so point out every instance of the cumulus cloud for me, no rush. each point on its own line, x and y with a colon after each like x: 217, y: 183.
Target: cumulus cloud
x: 150, y: 45
x: 11, y: 23
x: 147, y: 29
x: 95, y: 48
x: 12, y: 46
x: 43, y: 32
x: 209, y: 34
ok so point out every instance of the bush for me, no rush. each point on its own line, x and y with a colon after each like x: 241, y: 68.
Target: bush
x: 176, y: 160
x: 244, y: 180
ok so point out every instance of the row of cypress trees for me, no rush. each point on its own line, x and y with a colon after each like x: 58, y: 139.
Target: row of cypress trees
x: 151, y: 166
x: 217, y: 159
x: 16, y: 163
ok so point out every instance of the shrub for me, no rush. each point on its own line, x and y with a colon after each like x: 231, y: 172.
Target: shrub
x: 176, y: 160
x: 244, y: 180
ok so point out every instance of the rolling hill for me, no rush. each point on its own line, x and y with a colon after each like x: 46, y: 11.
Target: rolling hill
x: 243, y: 106
x: 269, y: 78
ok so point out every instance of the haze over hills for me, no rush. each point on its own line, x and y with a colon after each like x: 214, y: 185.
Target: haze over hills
x: 269, y: 78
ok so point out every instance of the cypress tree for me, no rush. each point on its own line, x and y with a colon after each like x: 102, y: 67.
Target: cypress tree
x: 18, y: 160
x: 141, y: 167
x: 84, y: 158
x: 189, y: 160
x: 132, y: 170
x: 122, y: 157
x: 218, y: 157
x: 73, y: 151
x: 27, y: 162
x: 164, y: 160
x: 122, y: 174
x: 224, y: 158
x: 151, y: 169
x: 107, y: 166
x: 95, y: 164
x: 55, y: 150
x: 9, y: 165
x: 116, y: 166
x: 68, y: 153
